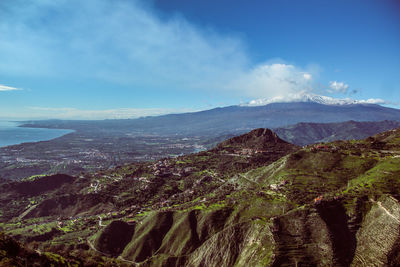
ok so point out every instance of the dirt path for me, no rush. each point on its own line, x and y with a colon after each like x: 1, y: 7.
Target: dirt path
x: 125, y: 260
x: 95, y: 186
x: 101, y: 221
x: 108, y: 255
x: 385, y: 210
x: 92, y: 247
x: 247, y: 179
x: 22, y: 215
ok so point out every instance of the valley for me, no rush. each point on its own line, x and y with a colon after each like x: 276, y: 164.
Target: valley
x: 97, y: 146
x: 81, y: 151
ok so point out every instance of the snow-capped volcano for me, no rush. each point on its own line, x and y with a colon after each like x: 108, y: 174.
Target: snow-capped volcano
x: 309, y: 97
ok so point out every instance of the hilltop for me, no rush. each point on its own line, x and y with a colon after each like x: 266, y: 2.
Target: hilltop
x: 258, y: 139
x: 252, y: 200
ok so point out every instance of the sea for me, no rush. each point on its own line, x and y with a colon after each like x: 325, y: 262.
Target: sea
x: 11, y: 134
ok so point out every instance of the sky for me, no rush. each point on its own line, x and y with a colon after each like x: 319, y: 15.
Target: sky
x: 102, y: 59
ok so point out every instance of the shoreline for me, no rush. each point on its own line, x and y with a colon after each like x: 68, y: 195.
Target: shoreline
x: 10, y: 130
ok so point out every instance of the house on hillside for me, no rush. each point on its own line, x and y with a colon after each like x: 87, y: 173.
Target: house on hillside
x: 325, y: 148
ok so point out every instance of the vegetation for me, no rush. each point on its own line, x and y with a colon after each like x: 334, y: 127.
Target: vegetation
x: 252, y: 200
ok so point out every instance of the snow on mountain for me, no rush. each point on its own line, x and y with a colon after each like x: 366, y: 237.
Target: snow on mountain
x: 309, y: 97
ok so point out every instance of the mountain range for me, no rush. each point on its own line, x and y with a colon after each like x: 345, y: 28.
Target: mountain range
x: 234, y: 119
x: 96, y: 145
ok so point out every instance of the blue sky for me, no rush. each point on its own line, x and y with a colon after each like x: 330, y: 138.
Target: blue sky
x: 97, y: 59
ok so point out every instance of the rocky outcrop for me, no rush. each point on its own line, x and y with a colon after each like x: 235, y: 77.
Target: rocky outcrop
x: 378, y: 239
x: 193, y: 238
x: 302, y: 239
x: 249, y: 243
x: 174, y: 234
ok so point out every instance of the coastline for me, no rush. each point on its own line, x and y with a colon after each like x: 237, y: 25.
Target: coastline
x: 18, y: 132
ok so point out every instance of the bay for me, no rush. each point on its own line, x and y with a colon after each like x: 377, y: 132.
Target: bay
x: 11, y: 134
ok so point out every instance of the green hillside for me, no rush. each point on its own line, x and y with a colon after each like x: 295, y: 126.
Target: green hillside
x: 254, y: 200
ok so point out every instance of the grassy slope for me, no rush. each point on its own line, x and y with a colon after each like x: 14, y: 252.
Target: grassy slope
x: 225, y: 208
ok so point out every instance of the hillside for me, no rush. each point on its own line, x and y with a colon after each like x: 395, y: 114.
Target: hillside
x: 14, y: 254
x: 310, y: 133
x: 253, y: 200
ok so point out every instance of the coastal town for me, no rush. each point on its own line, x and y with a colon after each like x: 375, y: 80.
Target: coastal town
x: 76, y: 152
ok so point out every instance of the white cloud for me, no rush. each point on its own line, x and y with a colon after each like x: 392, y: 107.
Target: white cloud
x: 123, y: 42
x: 310, y: 97
x: 338, y: 87
x: 126, y: 42
x: 120, y: 113
x: 374, y: 101
x: 126, y: 113
x: 307, y: 76
x: 7, y: 88
x: 272, y: 80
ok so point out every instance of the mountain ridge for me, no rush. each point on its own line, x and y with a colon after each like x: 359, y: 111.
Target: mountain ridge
x: 309, y: 133
x: 233, y: 119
